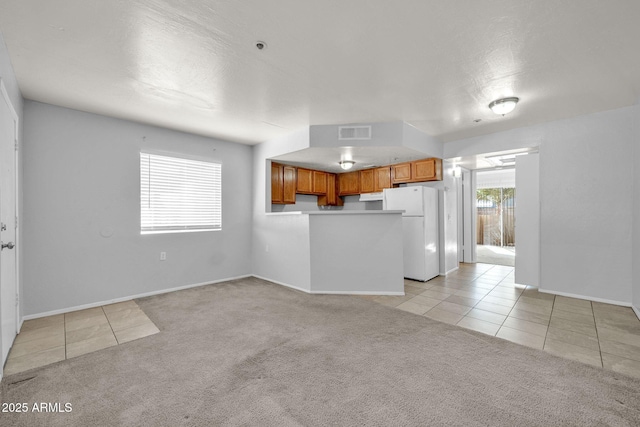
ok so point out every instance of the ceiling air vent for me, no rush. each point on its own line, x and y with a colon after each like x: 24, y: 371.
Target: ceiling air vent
x: 354, y: 132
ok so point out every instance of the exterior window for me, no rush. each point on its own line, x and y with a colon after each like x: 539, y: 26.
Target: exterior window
x: 179, y: 195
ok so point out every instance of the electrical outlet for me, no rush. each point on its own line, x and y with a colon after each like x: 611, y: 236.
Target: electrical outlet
x: 163, y: 256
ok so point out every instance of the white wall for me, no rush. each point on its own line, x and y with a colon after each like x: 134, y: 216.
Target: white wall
x: 272, y: 258
x: 81, y: 180
x: 586, y: 175
x: 359, y: 253
x: 284, y: 252
x: 527, y: 184
x: 420, y: 141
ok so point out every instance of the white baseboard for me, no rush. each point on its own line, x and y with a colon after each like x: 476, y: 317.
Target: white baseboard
x: 127, y: 298
x: 451, y: 271
x: 287, y: 285
x: 636, y: 310
x: 318, y: 292
x: 603, y: 300
x: 321, y: 292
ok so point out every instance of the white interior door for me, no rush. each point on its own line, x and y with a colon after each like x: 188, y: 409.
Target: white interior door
x: 8, y: 270
x: 527, y: 221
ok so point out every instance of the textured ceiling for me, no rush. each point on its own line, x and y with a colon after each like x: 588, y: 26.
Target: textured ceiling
x: 193, y: 66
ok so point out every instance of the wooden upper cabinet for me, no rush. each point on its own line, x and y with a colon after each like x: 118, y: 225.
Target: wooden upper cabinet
x: 382, y: 178
x: 367, y: 181
x: 401, y: 173
x: 331, y: 198
x: 277, y: 183
x: 283, y: 184
x: 349, y: 183
x: 304, y: 181
x: 286, y: 181
x: 427, y: 170
x: 375, y: 180
x: 417, y: 171
x: 311, y: 182
x: 289, y: 185
x: 319, y: 182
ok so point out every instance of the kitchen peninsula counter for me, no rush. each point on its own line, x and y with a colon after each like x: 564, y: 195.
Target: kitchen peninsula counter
x: 336, y: 251
x: 337, y: 212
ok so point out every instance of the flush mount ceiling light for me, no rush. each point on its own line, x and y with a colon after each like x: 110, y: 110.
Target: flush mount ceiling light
x: 346, y: 164
x: 504, y: 105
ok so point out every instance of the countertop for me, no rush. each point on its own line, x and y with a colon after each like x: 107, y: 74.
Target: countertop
x: 335, y: 212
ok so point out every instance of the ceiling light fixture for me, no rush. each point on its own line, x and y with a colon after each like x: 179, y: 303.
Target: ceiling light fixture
x: 504, y: 105
x: 346, y: 164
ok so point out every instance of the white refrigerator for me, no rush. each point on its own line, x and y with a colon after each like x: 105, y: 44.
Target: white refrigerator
x: 419, y: 228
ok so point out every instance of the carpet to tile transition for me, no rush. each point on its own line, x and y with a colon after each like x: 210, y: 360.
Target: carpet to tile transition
x: 249, y: 352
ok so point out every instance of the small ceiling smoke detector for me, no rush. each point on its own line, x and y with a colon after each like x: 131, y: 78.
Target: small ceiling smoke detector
x: 261, y: 45
x: 504, y: 105
x: 346, y: 164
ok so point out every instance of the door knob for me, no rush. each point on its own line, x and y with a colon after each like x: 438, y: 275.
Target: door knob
x: 9, y: 245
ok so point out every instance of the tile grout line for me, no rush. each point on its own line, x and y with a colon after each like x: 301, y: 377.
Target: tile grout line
x: 508, y: 314
x: 110, y: 327
x: 544, y: 344
x: 65, y: 335
x: 597, y: 335
x: 481, y: 299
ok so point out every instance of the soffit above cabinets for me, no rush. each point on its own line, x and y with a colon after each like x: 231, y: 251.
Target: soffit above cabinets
x: 194, y: 66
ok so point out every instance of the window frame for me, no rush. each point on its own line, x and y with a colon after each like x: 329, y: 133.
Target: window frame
x: 215, y: 182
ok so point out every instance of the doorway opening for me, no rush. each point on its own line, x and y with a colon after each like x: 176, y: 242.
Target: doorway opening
x: 495, y: 218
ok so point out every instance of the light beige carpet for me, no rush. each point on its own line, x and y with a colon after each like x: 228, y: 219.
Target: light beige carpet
x: 250, y: 352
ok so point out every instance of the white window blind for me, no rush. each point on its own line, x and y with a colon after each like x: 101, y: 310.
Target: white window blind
x: 179, y: 194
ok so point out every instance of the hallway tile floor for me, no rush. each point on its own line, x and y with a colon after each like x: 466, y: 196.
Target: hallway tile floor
x: 54, y: 338
x: 485, y: 298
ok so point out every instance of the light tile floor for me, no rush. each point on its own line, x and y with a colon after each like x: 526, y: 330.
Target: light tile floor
x: 54, y: 338
x: 485, y: 298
